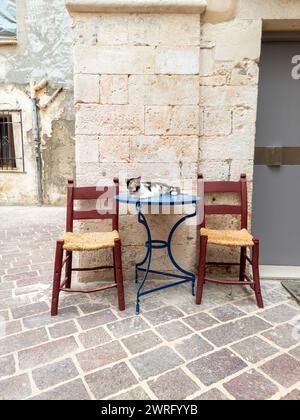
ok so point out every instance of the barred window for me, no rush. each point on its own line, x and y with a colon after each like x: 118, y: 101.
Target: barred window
x: 11, y: 141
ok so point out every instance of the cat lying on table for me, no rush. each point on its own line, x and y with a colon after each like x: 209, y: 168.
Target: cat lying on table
x: 136, y: 186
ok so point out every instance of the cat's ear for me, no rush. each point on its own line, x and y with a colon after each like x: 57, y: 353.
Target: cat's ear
x: 128, y: 182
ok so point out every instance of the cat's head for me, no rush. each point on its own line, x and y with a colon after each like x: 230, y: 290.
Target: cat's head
x: 134, y: 185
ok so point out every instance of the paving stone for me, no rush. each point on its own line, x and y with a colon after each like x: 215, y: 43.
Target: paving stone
x: 164, y: 314
x: 101, y: 356
x: 292, y: 396
x: 283, y: 336
x: 15, y: 388
x: 254, y: 349
x: 90, y: 307
x: 227, y: 313
x: 128, y: 326
x: 9, y: 328
x: 45, y: 353
x: 200, y: 321
x: 283, y: 369
x: 173, y: 330
x: 248, y: 305
x: 23, y: 340
x: 213, y: 395
x: 67, y: 299
x: 273, y: 285
x: 155, y: 362
x: 190, y: 308
x: 296, y: 353
x: 111, y: 380
x: 95, y: 320
x: 251, y: 386
x: 72, y: 391
x: 4, y: 316
x: 141, y: 342
x: 63, y: 329
x: 151, y: 303
x: 6, y: 286
x: 25, y: 274
x: 136, y: 394
x: 274, y: 297
x: 54, y: 373
x: 30, y: 290
x: 236, y: 330
x: 5, y: 294
x: 279, y: 314
x: 193, y: 347
x: 216, y: 366
x: 175, y: 385
x: 28, y: 310
x: 94, y: 338
x: 44, y: 319
x: 14, y: 302
x: 7, y: 366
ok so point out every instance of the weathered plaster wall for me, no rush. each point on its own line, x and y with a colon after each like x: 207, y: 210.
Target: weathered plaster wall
x: 43, y: 51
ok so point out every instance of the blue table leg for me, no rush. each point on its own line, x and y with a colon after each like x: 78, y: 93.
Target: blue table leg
x: 142, y: 220
x: 171, y: 256
x: 185, y: 276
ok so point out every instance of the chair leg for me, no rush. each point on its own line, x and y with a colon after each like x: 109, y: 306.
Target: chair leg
x: 201, y: 269
x: 119, y: 274
x: 69, y: 255
x: 115, y: 271
x: 243, y: 263
x: 57, y: 277
x: 256, y: 276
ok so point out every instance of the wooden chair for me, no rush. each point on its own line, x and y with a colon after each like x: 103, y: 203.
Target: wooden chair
x: 71, y: 242
x: 231, y: 238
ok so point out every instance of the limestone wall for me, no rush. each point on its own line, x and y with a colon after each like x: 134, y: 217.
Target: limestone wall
x: 138, y: 111
x: 166, y: 95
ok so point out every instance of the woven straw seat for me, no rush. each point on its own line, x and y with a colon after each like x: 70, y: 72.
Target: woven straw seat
x: 228, y: 237
x: 91, y: 241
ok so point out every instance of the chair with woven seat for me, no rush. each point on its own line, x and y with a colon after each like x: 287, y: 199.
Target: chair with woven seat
x: 228, y: 238
x: 88, y: 241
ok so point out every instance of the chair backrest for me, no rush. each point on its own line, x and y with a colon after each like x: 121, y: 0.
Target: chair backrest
x: 100, y: 194
x: 238, y: 187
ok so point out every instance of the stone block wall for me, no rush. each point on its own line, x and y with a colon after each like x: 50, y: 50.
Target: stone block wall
x: 138, y: 111
x: 166, y: 95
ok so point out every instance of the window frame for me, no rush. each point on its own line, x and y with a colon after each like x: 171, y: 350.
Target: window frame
x: 16, y: 150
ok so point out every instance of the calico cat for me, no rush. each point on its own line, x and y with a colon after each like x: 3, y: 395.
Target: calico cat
x: 150, y: 189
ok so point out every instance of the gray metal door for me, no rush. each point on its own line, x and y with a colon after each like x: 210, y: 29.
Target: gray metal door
x: 276, y: 211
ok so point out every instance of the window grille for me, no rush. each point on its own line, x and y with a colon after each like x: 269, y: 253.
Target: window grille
x: 11, y: 141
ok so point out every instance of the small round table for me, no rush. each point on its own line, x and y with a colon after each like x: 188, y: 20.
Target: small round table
x: 144, y: 266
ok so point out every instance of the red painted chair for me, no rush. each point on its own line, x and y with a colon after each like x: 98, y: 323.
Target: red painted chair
x: 84, y: 242
x: 231, y: 238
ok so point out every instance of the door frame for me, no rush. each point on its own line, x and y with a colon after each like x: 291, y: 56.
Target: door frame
x: 270, y: 271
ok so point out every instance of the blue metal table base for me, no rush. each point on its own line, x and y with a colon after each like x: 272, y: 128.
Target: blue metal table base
x: 145, y: 265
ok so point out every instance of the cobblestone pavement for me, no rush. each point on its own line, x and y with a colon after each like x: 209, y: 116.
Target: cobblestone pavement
x: 224, y: 349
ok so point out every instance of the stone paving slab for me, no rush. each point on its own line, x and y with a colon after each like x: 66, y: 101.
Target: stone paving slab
x: 216, y: 367
x: 251, y: 386
x: 225, y: 348
x: 175, y: 385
